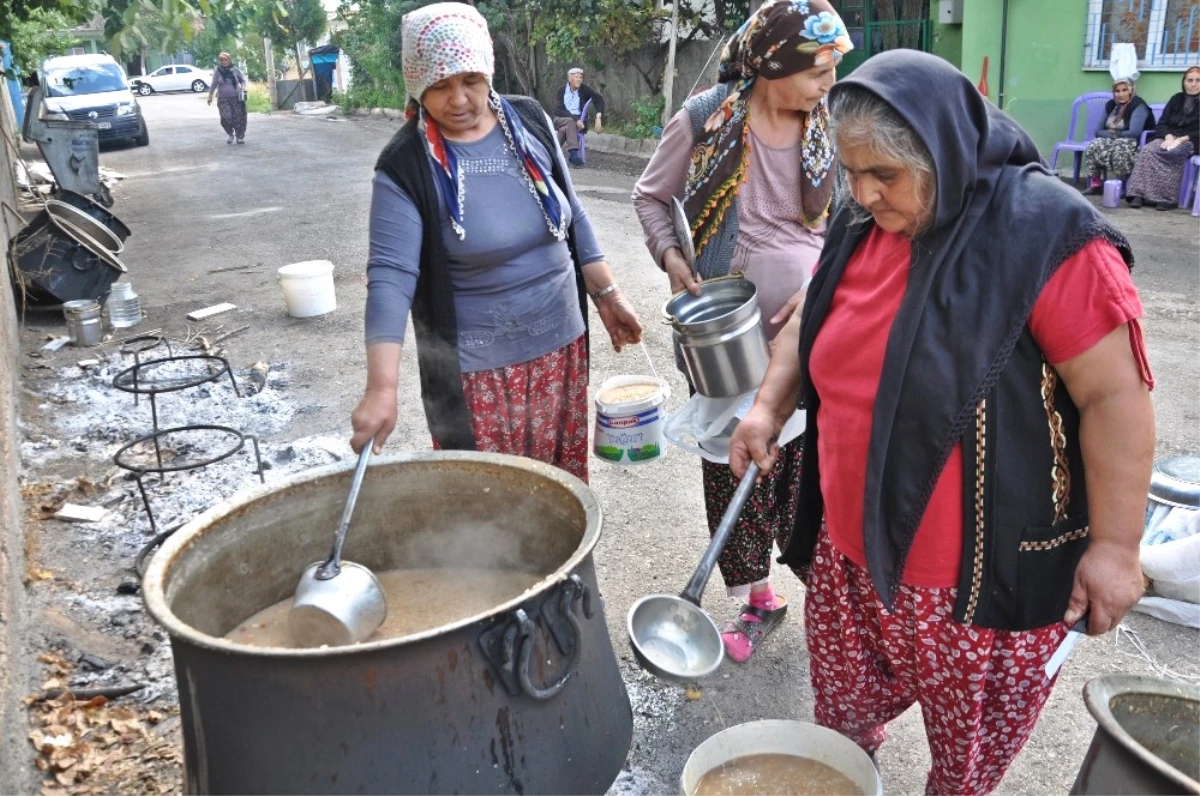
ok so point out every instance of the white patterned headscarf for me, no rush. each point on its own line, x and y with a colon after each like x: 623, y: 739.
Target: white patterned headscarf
x: 443, y: 40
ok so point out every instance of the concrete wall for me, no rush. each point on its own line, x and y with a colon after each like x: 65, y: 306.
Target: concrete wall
x: 14, y: 771
x: 1044, y: 69
x: 620, y: 82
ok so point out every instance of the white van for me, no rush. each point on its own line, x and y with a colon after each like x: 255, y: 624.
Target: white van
x: 93, y: 88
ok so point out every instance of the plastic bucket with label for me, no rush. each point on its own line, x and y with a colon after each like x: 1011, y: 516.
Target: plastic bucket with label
x: 630, y: 411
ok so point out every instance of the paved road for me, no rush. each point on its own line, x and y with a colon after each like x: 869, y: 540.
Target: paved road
x: 298, y: 190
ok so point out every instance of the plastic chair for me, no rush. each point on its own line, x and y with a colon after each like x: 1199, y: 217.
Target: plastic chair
x: 1196, y: 201
x: 1157, y: 110
x: 581, y: 135
x: 1187, y: 185
x: 1077, y: 140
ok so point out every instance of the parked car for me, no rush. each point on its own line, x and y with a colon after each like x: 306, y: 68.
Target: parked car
x: 93, y: 88
x: 175, y: 77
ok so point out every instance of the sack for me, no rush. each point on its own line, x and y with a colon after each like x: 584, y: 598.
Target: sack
x: 703, y: 425
x: 1174, y: 568
x: 1123, y: 61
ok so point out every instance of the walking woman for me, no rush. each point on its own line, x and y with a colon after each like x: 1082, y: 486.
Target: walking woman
x: 1159, y: 167
x: 229, y: 84
x: 476, y: 228
x: 980, y: 431
x: 753, y: 162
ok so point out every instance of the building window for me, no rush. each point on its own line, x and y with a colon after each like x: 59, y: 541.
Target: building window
x: 1166, y: 33
x: 77, y: 51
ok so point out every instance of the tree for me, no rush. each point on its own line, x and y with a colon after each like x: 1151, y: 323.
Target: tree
x: 30, y: 26
x: 293, y: 22
x: 134, y: 25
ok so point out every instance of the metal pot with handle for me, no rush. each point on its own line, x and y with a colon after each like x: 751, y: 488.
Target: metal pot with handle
x: 524, y: 697
x: 720, y: 337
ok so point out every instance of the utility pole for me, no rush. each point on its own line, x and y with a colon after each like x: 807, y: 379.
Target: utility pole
x: 669, y: 76
x: 269, y: 59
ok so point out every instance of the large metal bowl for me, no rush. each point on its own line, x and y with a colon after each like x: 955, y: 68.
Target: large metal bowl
x: 1174, y: 484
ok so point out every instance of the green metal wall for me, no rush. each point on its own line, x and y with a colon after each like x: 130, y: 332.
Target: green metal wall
x: 1044, y: 69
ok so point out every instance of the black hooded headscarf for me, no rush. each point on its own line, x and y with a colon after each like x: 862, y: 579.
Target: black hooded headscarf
x: 1002, y: 225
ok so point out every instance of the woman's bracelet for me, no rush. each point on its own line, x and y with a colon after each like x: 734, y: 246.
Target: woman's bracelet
x: 602, y: 292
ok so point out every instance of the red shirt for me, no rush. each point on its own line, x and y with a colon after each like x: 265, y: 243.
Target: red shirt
x: 1089, y: 296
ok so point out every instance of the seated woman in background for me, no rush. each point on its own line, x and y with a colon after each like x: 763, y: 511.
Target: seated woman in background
x: 1112, y: 152
x: 1159, y: 167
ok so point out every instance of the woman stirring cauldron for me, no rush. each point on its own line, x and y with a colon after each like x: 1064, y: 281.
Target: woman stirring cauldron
x: 475, y: 226
x: 980, y: 430
x: 752, y: 160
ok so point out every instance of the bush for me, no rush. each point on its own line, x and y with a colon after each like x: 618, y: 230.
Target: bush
x: 367, y: 97
x: 257, y: 98
x: 647, y: 121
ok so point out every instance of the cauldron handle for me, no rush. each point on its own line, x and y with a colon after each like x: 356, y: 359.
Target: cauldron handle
x: 572, y: 590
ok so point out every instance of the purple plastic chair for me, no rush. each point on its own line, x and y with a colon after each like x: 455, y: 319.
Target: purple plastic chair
x: 1196, y: 201
x: 1187, y: 185
x: 581, y: 135
x: 1077, y: 140
x: 1157, y: 110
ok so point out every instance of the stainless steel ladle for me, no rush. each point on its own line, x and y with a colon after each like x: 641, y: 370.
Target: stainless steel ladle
x: 673, y: 637
x: 338, y: 602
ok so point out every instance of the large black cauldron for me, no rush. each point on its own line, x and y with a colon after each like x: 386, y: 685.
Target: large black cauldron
x: 525, y: 698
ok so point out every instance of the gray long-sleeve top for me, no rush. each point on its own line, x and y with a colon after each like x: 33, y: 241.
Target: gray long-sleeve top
x: 1134, y: 125
x: 514, y: 285
x: 228, y: 89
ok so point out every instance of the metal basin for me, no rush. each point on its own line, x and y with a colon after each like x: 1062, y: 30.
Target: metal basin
x: 525, y: 697
x: 1148, y: 738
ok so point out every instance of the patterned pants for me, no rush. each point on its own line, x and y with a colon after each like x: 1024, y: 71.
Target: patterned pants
x: 1157, y: 173
x: 767, y: 518
x: 1112, y: 155
x: 980, y: 690
x: 233, y: 116
x: 537, y: 409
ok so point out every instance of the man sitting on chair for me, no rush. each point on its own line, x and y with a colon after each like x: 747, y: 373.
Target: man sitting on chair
x: 573, y: 101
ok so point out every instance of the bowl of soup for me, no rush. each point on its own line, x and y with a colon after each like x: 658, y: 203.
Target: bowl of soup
x: 784, y: 758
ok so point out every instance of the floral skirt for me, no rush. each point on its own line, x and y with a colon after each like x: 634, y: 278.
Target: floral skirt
x: 233, y: 116
x: 537, y: 409
x: 1157, y: 173
x: 980, y: 690
x: 1111, y: 156
x: 766, y: 520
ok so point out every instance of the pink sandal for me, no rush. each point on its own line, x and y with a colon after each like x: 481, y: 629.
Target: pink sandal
x: 743, y: 635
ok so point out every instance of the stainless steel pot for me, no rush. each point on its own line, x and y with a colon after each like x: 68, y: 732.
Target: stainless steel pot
x: 719, y: 335
x: 523, y: 698
x: 1148, y: 738
x: 1174, y: 483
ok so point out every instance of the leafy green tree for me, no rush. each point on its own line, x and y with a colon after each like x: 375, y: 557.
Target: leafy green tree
x: 30, y: 26
x: 292, y: 22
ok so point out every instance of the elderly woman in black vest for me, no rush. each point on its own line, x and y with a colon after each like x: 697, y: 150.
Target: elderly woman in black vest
x: 1159, y: 167
x: 475, y: 226
x: 980, y: 431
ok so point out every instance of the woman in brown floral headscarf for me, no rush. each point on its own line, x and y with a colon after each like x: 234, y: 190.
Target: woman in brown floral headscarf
x: 752, y: 163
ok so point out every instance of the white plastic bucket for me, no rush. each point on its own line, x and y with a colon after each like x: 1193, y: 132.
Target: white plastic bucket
x: 774, y: 736
x: 630, y: 431
x: 308, y: 288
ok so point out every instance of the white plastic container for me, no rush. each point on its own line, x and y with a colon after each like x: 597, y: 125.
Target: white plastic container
x: 308, y: 288
x: 630, y: 431
x: 774, y: 736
